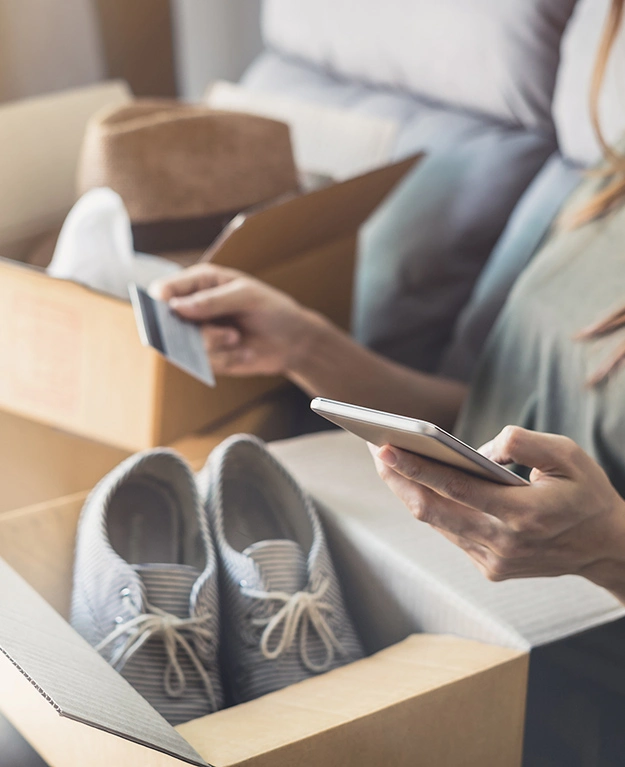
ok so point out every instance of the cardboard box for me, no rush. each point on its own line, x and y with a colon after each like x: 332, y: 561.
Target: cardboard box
x: 37, y: 177
x: 402, y: 576
x: 72, y: 357
x: 426, y: 701
x: 39, y: 463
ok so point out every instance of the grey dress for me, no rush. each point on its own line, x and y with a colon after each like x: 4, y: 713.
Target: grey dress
x: 532, y: 372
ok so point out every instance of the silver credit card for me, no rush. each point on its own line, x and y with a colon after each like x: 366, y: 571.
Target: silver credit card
x: 179, y: 341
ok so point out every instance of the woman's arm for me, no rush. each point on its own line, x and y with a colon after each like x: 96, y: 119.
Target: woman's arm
x: 569, y: 520
x: 333, y: 365
x: 251, y: 329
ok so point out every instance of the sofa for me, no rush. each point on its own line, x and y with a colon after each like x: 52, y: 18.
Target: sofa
x: 480, y: 86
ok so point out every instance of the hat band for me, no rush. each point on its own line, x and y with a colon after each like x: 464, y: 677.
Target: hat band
x: 170, y: 236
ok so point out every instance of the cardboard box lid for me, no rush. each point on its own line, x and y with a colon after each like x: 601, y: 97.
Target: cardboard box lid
x: 72, y: 677
x: 414, y: 578
x: 263, y: 238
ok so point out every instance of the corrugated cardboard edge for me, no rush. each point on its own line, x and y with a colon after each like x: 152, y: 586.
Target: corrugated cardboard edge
x: 59, y: 667
x: 62, y: 740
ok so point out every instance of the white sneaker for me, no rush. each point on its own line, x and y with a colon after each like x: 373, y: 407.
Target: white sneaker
x: 283, y: 614
x: 145, y: 584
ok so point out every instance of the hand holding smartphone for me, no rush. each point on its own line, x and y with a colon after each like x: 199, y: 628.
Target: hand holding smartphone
x: 414, y: 436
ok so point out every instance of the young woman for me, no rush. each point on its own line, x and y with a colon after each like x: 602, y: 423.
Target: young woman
x: 549, y: 385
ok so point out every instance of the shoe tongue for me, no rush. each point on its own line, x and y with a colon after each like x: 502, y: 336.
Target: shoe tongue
x: 169, y: 586
x: 282, y: 564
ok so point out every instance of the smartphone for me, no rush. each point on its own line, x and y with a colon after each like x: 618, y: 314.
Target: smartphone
x: 414, y: 436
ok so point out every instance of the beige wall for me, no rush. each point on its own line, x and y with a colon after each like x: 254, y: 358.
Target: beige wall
x: 51, y: 45
x: 47, y: 45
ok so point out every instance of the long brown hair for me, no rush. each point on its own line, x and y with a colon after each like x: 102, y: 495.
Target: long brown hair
x: 612, y: 194
x: 614, y: 166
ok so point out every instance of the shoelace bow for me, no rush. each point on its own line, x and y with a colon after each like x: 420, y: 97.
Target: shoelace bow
x: 157, y: 622
x: 304, y: 608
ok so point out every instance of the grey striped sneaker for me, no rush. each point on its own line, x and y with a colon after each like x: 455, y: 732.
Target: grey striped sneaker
x: 283, y: 614
x: 145, y: 584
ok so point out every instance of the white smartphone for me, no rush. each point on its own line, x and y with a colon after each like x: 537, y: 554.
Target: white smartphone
x: 414, y: 436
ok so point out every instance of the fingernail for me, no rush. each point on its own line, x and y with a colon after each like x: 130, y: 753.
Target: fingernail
x: 388, y: 456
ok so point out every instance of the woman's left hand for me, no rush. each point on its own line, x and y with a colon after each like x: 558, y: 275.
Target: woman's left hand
x: 569, y: 520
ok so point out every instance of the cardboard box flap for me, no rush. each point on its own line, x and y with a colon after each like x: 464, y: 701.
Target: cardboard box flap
x: 415, y: 579
x: 38, y: 174
x: 72, y: 677
x: 413, y: 670
x: 268, y: 236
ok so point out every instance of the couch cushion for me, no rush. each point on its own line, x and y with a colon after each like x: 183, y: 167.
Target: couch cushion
x: 570, y: 108
x: 423, y: 249
x: 423, y: 125
x: 498, y: 58
x: 425, y: 246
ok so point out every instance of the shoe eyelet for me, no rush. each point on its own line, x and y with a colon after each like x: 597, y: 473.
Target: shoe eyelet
x: 125, y: 592
x: 243, y: 583
x: 119, y: 619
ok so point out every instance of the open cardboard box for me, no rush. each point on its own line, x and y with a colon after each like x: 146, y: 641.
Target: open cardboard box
x: 72, y: 357
x: 458, y: 701
x: 455, y: 702
x: 429, y: 700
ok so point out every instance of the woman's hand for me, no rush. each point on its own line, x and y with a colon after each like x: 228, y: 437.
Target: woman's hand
x: 249, y: 327
x: 569, y: 520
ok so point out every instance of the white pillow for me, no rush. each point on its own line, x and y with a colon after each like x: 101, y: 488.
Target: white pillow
x: 571, y: 111
x: 497, y: 57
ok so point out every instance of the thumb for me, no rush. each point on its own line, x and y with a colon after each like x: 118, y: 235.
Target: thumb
x: 550, y: 453
x: 211, y: 304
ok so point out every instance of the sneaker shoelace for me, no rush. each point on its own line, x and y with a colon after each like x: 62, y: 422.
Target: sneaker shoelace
x: 156, y: 622
x: 299, y: 611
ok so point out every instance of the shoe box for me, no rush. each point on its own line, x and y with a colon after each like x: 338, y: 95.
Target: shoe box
x: 71, y: 357
x: 431, y: 700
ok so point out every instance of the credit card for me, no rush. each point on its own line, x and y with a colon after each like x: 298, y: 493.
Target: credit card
x: 179, y: 341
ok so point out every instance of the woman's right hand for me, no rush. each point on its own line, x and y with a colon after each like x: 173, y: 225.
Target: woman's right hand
x: 249, y: 327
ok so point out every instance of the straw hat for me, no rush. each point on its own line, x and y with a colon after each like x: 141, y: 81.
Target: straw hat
x: 184, y: 171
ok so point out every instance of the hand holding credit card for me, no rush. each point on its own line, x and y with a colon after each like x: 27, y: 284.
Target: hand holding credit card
x: 179, y: 341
